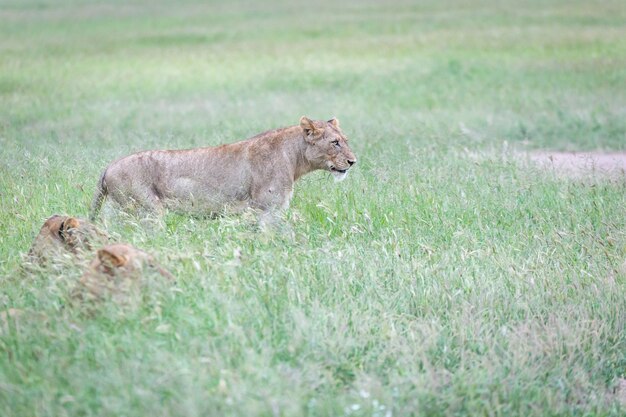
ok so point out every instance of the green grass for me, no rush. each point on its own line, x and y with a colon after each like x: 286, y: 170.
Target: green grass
x: 442, y: 277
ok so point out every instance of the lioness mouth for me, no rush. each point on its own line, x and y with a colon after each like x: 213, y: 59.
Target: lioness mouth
x: 341, y: 171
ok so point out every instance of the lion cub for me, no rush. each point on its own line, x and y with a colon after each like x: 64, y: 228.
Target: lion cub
x: 64, y: 235
x: 117, y: 271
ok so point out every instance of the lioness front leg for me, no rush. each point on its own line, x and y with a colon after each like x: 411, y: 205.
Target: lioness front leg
x: 272, y: 200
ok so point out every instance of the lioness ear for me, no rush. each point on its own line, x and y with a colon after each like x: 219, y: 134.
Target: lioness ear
x: 110, y: 259
x: 334, y: 122
x: 308, y: 127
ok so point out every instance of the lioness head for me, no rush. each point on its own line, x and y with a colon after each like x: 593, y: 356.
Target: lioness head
x: 64, y: 234
x: 327, y: 146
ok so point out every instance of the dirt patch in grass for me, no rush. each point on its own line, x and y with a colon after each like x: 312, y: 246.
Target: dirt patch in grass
x: 582, y: 164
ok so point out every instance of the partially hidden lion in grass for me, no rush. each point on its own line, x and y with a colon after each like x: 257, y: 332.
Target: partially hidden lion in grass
x: 258, y: 172
x: 61, y: 235
x: 117, y: 271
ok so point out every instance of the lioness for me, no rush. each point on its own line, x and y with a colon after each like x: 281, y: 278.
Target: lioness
x: 64, y: 234
x: 258, y: 172
x: 116, y: 271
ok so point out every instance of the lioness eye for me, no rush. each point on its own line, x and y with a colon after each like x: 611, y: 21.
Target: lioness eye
x: 336, y: 143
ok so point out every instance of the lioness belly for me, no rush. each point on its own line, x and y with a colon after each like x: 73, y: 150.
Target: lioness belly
x: 194, y: 195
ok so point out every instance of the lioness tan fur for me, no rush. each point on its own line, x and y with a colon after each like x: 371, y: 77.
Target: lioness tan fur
x: 64, y: 235
x: 258, y: 172
x: 116, y: 271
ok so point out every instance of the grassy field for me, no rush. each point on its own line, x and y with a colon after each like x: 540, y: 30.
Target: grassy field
x: 443, y: 277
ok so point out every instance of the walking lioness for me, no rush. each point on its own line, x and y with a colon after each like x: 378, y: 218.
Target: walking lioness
x: 258, y: 172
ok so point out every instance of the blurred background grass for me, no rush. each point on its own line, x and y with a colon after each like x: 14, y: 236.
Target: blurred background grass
x: 547, y: 75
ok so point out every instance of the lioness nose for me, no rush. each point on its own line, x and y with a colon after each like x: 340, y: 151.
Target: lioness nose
x: 352, y: 161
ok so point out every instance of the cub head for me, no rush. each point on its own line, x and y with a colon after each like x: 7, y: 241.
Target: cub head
x: 63, y: 229
x: 125, y: 259
x: 327, y: 146
x: 112, y: 257
x: 64, y: 234
x: 118, y: 271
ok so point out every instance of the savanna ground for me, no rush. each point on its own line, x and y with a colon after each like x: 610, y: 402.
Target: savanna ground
x: 442, y: 277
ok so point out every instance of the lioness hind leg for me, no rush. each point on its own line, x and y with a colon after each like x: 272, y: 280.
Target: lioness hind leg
x: 139, y: 201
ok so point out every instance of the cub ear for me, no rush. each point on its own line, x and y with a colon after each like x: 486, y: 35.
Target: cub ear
x: 110, y: 258
x: 335, y: 122
x: 308, y: 127
x: 66, y: 225
x: 70, y: 223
